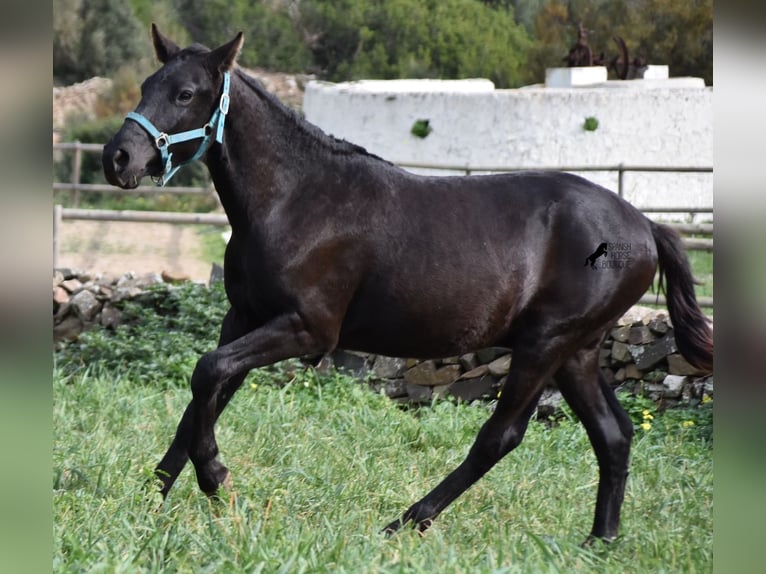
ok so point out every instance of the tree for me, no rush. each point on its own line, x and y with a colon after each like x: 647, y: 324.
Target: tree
x: 271, y: 38
x: 414, y: 38
x: 678, y: 33
x: 95, y: 38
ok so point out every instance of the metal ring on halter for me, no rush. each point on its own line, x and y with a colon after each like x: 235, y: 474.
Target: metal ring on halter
x: 161, y: 141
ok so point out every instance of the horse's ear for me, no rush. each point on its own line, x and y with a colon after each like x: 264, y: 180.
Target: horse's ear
x: 164, y: 47
x: 223, y: 58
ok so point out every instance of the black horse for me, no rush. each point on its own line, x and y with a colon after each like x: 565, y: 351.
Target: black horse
x: 334, y: 247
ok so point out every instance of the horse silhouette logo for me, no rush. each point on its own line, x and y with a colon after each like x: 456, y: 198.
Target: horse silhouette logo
x: 600, y: 250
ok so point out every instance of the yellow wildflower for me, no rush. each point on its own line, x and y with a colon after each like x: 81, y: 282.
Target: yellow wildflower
x: 706, y: 398
x: 253, y: 386
x: 687, y: 424
x: 646, y: 426
x: 647, y: 415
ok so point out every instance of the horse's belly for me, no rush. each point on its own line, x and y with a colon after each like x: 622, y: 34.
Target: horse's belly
x: 425, y: 327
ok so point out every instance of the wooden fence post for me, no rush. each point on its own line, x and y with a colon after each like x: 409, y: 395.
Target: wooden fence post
x: 57, y: 212
x: 76, y: 170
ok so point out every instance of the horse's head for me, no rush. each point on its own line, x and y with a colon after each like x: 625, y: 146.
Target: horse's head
x: 178, y: 104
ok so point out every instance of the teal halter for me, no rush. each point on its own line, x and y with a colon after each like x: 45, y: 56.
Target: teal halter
x: 163, y: 141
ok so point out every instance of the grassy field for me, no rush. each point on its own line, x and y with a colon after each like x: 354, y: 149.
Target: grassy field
x: 321, y: 464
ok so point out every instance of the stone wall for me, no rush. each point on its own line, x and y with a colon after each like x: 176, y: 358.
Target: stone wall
x: 638, y: 354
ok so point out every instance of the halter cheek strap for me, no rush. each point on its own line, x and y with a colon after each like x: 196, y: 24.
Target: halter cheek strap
x: 163, y: 141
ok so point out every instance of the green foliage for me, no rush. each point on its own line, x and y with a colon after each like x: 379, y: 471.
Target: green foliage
x: 162, y: 335
x: 411, y: 38
x: 271, y: 39
x: 87, y: 131
x: 508, y: 41
x: 591, y: 124
x: 421, y: 128
x: 96, y: 38
x: 672, y: 32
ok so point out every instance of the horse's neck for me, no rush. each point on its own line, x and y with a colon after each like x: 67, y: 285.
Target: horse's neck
x: 261, y: 155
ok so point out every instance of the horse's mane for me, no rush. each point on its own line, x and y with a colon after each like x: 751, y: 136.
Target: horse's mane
x: 336, y: 145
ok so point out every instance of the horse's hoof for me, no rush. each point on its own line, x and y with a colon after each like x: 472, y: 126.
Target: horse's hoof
x: 391, y: 529
x: 228, y: 483
x: 591, y: 540
x: 224, y: 492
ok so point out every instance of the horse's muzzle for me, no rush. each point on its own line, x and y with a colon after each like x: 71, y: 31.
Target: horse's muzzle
x: 128, y: 157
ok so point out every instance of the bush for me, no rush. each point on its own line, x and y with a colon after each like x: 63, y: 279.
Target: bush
x: 163, y: 333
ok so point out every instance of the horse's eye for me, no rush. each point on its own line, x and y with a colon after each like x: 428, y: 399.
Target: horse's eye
x: 185, y: 96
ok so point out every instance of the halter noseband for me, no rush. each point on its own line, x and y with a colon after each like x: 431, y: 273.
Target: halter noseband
x: 163, y: 141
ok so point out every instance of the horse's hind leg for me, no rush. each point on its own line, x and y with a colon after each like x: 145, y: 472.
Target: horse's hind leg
x: 502, y: 432
x: 177, y: 456
x: 610, y: 431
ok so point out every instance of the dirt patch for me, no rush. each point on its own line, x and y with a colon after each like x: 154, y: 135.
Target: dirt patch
x: 118, y: 247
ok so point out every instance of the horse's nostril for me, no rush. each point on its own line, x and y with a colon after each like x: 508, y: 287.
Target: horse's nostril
x: 121, y: 159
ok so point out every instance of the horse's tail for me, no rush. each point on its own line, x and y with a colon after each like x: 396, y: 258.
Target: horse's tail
x: 692, y: 332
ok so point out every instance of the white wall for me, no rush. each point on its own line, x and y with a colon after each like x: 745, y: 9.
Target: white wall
x: 641, y: 122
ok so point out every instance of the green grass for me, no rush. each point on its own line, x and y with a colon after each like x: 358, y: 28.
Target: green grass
x: 321, y: 464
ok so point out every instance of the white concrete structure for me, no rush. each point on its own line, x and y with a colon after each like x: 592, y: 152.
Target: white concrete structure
x: 575, y: 77
x: 653, y: 122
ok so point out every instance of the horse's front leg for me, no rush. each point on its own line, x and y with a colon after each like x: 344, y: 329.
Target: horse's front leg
x: 281, y: 338
x: 174, y: 461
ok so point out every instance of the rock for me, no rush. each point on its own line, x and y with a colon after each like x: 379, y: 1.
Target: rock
x: 619, y: 375
x: 621, y: 334
x: 476, y: 373
x: 71, y: 285
x: 216, y: 274
x: 620, y: 353
x: 654, y: 391
x: 66, y: 272
x: 500, y: 366
x: 60, y: 296
x: 636, y: 314
x: 426, y: 374
x: 85, y: 305
x: 68, y: 329
x: 351, y: 362
x: 486, y: 356
x: 388, y: 367
x: 111, y: 317
x: 646, y: 356
x: 395, y: 388
x: 678, y: 365
x: 633, y: 372
x: 674, y: 385
x: 418, y: 393
x: 603, y: 357
x: 126, y: 292
x: 549, y: 403
x: 641, y: 335
x: 105, y: 292
x: 107, y: 278
x: 174, y: 277
x: 473, y: 388
x: 659, y: 324
x: 468, y: 361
